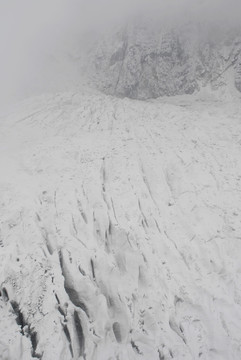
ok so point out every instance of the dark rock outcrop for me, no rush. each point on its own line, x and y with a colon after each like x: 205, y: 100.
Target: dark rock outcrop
x: 145, y: 61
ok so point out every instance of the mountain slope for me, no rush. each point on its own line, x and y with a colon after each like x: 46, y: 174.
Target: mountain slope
x: 147, y: 60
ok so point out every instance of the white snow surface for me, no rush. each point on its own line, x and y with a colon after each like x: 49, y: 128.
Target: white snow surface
x: 120, y: 229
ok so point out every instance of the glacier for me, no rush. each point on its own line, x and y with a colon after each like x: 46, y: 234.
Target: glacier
x: 120, y: 228
x: 120, y: 181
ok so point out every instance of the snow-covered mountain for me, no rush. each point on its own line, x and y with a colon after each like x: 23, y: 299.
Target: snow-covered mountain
x: 147, y: 60
x: 120, y: 219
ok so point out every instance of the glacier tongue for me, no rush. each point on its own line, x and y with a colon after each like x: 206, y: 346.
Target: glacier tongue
x: 120, y: 229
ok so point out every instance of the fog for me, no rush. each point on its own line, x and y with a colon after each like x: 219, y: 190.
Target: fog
x: 120, y: 182
x: 38, y: 38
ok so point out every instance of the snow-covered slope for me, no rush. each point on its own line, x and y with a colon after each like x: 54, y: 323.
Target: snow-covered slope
x: 120, y: 229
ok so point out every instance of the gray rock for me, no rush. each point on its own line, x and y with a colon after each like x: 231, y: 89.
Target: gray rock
x: 143, y: 61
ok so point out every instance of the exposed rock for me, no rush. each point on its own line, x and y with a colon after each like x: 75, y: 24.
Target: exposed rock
x: 143, y: 61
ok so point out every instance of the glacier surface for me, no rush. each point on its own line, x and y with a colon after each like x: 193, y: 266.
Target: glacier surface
x: 120, y: 228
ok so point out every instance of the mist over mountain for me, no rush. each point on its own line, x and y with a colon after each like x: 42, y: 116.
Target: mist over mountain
x: 167, y: 54
x: 140, y: 49
x: 120, y: 180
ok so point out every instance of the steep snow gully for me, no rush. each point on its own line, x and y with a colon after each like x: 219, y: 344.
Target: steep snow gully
x: 120, y: 229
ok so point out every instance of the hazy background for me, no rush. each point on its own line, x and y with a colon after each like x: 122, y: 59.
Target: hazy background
x: 42, y: 41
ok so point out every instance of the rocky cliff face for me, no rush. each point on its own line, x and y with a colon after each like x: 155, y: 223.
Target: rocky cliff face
x: 148, y: 61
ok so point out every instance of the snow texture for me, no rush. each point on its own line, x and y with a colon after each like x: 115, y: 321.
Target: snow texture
x: 120, y: 229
